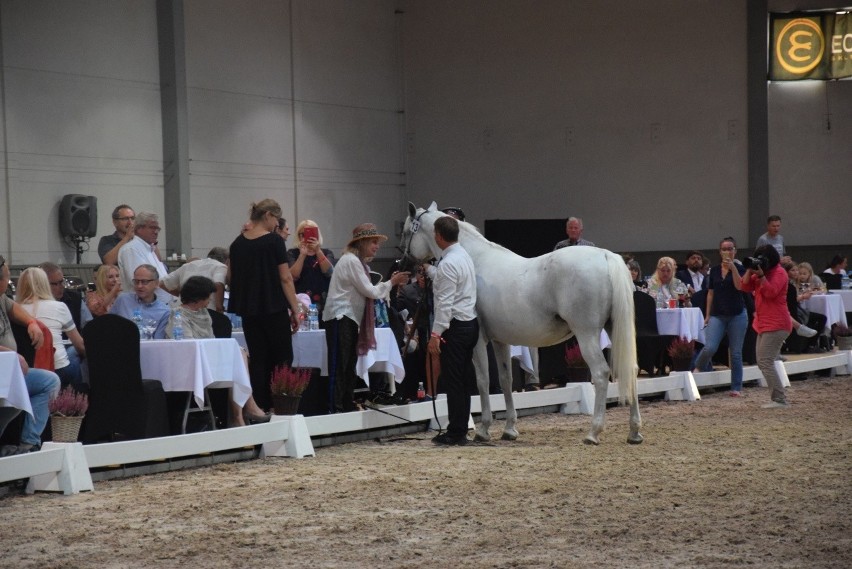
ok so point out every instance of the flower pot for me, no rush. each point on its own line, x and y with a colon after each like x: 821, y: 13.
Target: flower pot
x: 681, y: 363
x: 65, y: 429
x: 285, y: 404
x: 844, y: 342
x: 578, y: 374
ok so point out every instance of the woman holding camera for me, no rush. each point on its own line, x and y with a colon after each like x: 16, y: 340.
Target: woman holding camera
x: 767, y: 279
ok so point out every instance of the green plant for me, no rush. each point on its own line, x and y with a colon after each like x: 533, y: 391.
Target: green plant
x: 289, y: 381
x: 69, y: 403
x: 681, y: 348
x: 573, y: 357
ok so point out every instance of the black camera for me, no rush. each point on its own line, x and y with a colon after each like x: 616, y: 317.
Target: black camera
x: 755, y: 263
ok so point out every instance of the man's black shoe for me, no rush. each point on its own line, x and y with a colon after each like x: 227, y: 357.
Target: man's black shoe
x: 449, y: 440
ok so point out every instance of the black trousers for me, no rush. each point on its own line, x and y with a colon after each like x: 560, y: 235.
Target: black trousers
x: 270, y: 344
x: 456, y: 365
x: 341, y: 339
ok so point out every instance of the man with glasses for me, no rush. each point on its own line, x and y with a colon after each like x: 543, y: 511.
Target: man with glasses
x: 123, y: 219
x: 145, y: 282
x: 142, y: 250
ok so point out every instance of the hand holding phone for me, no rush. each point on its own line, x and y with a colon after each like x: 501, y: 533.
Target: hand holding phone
x: 309, y: 233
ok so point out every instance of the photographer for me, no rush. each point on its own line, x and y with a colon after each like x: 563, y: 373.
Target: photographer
x: 768, y: 281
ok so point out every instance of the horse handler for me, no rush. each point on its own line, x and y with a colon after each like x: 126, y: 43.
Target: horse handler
x: 455, y: 330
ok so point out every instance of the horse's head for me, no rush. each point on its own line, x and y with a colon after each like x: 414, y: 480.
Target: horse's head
x: 418, y: 238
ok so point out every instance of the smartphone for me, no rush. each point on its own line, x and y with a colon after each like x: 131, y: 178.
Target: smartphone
x: 310, y: 232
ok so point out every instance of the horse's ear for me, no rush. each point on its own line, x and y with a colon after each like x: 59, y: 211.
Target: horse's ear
x: 412, y: 210
x: 432, y: 207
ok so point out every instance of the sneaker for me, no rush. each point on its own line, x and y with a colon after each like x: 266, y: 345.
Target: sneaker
x: 775, y: 405
x: 447, y: 439
x: 805, y: 331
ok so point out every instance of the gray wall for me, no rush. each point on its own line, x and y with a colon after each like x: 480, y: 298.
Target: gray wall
x: 621, y: 112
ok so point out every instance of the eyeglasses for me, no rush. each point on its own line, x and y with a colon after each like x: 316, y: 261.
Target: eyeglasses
x: 142, y: 281
x: 57, y: 283
x: 151, y: 227
x: 126, y: 218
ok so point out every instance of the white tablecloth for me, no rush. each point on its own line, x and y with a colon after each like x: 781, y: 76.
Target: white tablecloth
x: 846, y: 295
x: 310, y: 350
x: 684, y: 322
x: 13, y: 386
x: 829, y: 304
x: 192, y: 365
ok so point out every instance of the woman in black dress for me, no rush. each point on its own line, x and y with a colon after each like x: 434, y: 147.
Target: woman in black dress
x: 261, y: 292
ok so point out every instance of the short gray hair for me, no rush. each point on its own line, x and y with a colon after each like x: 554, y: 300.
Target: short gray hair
x: 145, y: 217
x: 219, y: 254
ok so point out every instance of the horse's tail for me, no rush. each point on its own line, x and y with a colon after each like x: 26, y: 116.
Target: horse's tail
x: 624, y: 368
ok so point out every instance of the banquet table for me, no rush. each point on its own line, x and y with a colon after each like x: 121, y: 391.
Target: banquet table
x: 684, y: 322
x: 846, y: 295
x: 831, y: 305
x: 13, y: 386
x: 193, y: 365
x: 310, y: 350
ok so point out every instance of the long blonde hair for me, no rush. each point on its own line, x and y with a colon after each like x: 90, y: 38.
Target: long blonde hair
x: 33, y: 286
x: 101, y: 277
x: 664, y: 262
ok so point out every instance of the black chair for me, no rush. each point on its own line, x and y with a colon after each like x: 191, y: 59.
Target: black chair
x: 122, y: 405
x: 222, y: 326
x: 651, y: 346
x: 832, y: 281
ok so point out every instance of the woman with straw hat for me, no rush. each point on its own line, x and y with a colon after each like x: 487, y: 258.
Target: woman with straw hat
x: 349, y: 313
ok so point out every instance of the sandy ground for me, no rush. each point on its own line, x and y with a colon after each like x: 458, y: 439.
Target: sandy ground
x: 717, y: 483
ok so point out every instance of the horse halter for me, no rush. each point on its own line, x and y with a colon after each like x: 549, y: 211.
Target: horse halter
x: 415, y: 226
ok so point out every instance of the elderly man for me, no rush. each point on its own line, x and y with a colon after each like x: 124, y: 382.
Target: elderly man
x: 574, y: 231
x: 214, y: 267
x: 142, y: 250
x: 123, y: 218
x: 145, y: 281
x: 41, y: 384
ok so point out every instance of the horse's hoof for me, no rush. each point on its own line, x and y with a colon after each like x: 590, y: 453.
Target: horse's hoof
x: 635, y: 439
x: 591, y: 441
x: 509, y: 436
x: 481, y: 438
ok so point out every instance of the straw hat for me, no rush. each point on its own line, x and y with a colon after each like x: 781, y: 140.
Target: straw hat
x: 366, y: 231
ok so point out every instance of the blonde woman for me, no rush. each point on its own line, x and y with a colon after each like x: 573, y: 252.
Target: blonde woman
x: 663, y: 283
x: 310, y: 264
x: 34, y: 296
x: 107, y: 287
x: 807, y: 277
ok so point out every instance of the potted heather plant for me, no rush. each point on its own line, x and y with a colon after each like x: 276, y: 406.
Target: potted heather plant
x: 287, y: 385
x: 681, y: 351
x: 843, y: 335
x: 577, y: 368
x: 66, y: 415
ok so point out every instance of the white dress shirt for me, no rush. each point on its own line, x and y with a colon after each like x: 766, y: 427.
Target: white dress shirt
x: 453, y: 288
x: 139, y: 252
x: 349, y: 289
x: 697, y: 278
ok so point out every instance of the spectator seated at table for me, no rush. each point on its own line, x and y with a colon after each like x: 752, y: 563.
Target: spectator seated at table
x: 107, y: 289
x: 636, y: 275
x: 145, y: 282
x: 837, y: 266
x: 42, y: 385
x: 802, y: 337
x: 310, y: 264
x: 214, y: 267
x: 34, y: 296
x: 693, y: 274
x: 808, y: 278
x: 197, y: 324
x: 663, y: 283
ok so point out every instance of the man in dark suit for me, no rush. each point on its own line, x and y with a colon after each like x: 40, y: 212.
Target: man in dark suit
x: 693, y: 275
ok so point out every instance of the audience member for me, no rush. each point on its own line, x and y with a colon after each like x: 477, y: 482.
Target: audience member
x: 798, y: 313
x: 261, y: 292
x: 42, y: 385
x: 636, y: 275
x: 663, y: 284
x: 692, y: 275
x: 144, y: 298
x: 349, y: 317
x: 107, y: 288
x: 71, y: 298
x: 574, y: 231
x: 807, y: 277
x: 33, y: 294
x: 123, y: 218
x: 837, y: 266
x: 310, y: 264
x: 142, y: 250
x: 771, y: 317
x: 414, y: 301
x: 214, y: 267
x: 454, y: 212
x: 773, y: 236
x: 455, y: 330
x: 725, y: 314
x: 283, y: 229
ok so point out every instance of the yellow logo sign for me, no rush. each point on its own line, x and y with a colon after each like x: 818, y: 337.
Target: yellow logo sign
x: 799, y: 46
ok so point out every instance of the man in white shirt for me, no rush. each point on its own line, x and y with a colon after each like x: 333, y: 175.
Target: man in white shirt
x: 214, y: 267
x: 455, y: 330
x: 142, y: 250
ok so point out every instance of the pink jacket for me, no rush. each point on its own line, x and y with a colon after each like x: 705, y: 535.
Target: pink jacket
x: 770, y: 301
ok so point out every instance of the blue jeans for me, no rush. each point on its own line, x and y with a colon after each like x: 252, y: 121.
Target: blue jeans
x: 735, y: 327
x: 41, y: 386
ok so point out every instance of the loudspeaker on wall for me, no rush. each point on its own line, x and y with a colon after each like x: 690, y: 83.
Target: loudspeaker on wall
x: 78, y: 216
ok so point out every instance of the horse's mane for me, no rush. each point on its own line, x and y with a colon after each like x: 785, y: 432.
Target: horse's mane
x: 472, y: 232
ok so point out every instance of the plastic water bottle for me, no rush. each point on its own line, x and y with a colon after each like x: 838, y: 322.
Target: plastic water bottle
x: 313, y: 317
x: 137, y: 319
x: 421, y: 392
x: 304, y: 324
x: 177, y: 326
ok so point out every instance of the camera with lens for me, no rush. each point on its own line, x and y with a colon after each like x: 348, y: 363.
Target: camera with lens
x: 755, y: 263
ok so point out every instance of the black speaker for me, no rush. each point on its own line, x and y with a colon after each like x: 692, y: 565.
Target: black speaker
x: 78, y: 216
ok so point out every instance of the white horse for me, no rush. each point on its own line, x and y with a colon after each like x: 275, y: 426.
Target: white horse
x: 574, y: 291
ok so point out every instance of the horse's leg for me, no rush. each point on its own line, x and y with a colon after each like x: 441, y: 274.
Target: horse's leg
x: 590, y: 347
x: 480, y: 364
x: 503, y: 355
x: 635, y: 437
